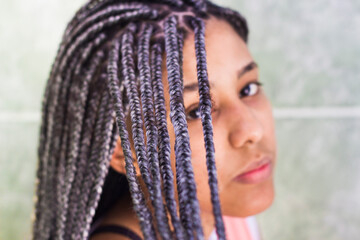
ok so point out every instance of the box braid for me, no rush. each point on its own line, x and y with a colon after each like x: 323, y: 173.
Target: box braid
x: 108, y: 68
x: 205, y: 112
x: 189, y: 207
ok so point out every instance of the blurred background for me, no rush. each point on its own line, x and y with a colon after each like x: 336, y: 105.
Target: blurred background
x: 308, y: 57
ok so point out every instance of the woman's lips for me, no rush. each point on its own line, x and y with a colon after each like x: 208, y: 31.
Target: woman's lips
x: 257, y: 174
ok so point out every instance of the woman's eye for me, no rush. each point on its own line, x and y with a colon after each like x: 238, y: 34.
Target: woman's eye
x: 194, y: 113
x: 250, y: 89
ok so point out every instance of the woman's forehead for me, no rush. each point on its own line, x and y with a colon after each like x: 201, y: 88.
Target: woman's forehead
x: 226, y: 52
x: 226, y: 55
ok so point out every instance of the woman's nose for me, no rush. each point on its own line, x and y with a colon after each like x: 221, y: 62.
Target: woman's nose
x: 246, y: 128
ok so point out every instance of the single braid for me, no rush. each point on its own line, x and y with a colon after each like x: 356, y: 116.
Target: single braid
x: 206, y: 119
x: 189, y: 205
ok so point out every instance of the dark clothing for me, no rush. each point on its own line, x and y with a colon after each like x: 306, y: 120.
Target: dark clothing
x: 118, y: 230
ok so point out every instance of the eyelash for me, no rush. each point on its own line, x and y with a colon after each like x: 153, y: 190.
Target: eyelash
x: 257, y: 83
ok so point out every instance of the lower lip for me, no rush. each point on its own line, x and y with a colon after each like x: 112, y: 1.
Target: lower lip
x: 255, y: 176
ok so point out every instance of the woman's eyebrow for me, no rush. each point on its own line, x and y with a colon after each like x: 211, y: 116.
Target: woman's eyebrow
x: 250, y: 66
x: 194, y: 86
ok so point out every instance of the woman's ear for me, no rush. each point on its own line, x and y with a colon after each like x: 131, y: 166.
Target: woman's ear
x: 117, y: 161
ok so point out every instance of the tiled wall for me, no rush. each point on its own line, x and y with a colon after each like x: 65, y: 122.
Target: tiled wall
x: 308, y: 57
x: 30, y: 32
x: 308, y: 53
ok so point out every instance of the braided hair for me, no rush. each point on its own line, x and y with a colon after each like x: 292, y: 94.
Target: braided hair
x: 108, y: 68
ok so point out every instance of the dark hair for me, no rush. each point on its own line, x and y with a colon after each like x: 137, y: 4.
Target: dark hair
x: 108, y: 63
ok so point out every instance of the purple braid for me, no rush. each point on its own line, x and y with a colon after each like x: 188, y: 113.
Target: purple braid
x: 189, y: 205
x: 205, y: 111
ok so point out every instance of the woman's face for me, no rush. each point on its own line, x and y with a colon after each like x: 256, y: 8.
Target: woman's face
x: 243, y: 126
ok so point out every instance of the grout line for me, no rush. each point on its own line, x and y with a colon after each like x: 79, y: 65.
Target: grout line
x: 316, y: 113
x: 279, y: 113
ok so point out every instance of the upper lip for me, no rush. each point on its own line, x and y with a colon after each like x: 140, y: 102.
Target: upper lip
x: 254, y: 165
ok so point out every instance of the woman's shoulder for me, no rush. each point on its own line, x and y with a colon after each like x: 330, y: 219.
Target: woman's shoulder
x: 240, y: 228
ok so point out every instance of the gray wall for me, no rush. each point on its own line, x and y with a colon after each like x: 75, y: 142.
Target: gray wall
x: 307, y: 52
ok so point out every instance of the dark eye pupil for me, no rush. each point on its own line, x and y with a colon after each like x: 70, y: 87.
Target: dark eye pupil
x: 246, y: 90
x: 195, y: 113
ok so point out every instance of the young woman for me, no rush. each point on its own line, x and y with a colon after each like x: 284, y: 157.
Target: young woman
x: 154, y: 126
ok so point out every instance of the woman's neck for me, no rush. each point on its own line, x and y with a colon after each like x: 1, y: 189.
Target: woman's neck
x: 208, y: 223
x: 123, y: 214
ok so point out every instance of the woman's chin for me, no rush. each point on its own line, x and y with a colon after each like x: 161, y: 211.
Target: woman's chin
x: 252, y: 205
x: 260, y: 207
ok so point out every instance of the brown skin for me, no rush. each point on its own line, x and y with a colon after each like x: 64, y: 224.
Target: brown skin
x: 243, y: 129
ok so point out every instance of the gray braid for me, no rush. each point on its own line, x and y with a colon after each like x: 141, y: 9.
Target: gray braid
x: 189, y: 206
x: 205, y: 110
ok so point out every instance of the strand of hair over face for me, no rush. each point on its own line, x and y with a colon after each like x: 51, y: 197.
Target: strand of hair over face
x: 189, y: 206
x: 205, y: 112
x: 109, y: 67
